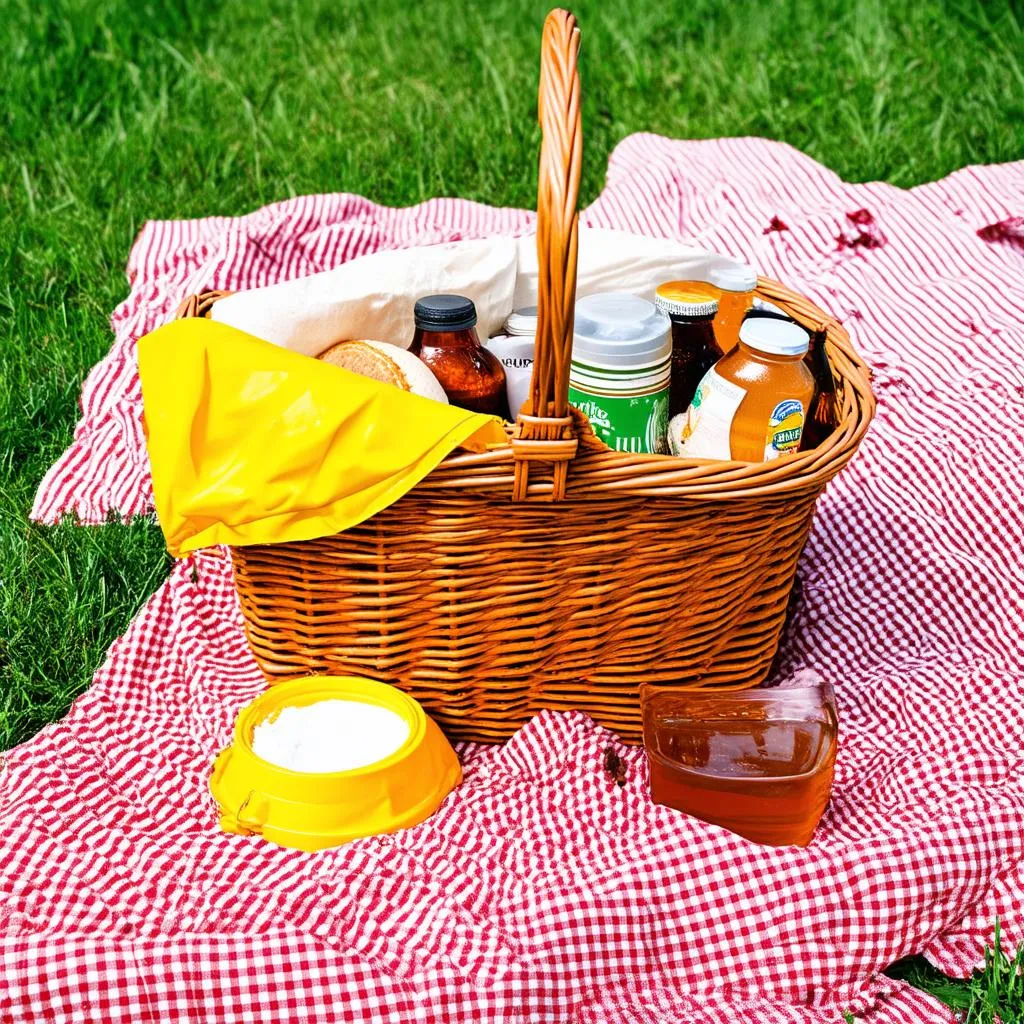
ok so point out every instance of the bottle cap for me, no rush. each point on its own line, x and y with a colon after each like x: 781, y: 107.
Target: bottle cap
x: 737, y: 277
x: 686, y: 298
x: 619, y: 330
x: 776, y: 337
x: 445, y: 313
x: 522, y: 322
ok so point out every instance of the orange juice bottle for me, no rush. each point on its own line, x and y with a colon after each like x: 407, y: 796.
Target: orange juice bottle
x: 752, y: 404
x: 735, y: 287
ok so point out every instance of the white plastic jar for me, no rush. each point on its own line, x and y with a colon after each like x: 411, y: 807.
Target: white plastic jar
x: 515, y: 350
x: 620, y: 372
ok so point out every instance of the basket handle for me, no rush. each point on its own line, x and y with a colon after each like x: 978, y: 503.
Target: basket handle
x: 545, y: 431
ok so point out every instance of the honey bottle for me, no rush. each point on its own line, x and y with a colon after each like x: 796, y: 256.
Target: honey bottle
x: 735, y: 284
x: 753, y: 403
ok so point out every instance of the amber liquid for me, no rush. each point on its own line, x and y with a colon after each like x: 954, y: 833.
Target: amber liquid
x: 767, y: 379
x: 766, y: 779
x: 732, y: 308
x: 472, y: 377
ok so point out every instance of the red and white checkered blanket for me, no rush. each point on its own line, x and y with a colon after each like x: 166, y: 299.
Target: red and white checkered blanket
x: 541, y: 891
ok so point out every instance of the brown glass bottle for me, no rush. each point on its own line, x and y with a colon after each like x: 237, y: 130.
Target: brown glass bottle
x: 446, y: 340
x: 691, y: 306
x: 823, y: 417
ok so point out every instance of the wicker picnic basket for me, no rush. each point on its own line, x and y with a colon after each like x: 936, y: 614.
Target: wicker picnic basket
x: 552, y: 572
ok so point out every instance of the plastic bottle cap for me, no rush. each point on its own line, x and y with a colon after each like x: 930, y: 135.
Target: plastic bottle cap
x: 617, y: 329
x: 522, y: 322
x: 445, y: 313
x: 736, y: 277
x: 686, y: 298
x: 777, y: 337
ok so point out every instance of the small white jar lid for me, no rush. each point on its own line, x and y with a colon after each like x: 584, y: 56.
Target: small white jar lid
x: 776, y: 337
x: 616, y: 329
x: 522, y: 322
x: 737, y: 277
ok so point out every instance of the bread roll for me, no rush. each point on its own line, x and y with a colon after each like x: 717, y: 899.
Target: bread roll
x: 388, y: 363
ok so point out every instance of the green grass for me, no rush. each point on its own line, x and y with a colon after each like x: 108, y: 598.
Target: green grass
x: 115, y: 112
x: 992, y: 995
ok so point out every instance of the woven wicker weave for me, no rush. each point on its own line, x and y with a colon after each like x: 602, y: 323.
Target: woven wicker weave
x: 487, y: 602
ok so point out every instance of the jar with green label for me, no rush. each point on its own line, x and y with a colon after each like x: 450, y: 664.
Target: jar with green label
x: 621, y: 369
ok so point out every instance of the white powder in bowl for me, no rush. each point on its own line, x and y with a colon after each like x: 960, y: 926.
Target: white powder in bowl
x: 329, y: 736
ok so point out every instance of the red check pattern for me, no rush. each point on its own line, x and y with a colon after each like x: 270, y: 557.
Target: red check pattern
x: 541, y: 891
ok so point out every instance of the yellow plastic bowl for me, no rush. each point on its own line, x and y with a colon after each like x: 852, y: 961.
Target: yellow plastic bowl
x: 311, y: 811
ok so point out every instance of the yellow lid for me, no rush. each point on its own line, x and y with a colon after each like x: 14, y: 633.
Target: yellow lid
x: 687, y: 298
x: 311, y: 811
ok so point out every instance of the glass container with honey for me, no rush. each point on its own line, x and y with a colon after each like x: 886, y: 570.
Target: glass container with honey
x: 736, y: 284
x: 751, y: 406
x: 758, y: 762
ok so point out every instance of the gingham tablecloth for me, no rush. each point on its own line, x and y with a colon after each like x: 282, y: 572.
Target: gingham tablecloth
x: 542, y: 891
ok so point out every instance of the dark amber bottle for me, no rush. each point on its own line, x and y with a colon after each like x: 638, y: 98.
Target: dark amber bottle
x: 691, y: 306
x: 446, y: 340
x: 823, y: 417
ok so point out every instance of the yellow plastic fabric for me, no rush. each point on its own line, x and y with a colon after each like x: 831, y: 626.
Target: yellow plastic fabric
x: 252, y: 444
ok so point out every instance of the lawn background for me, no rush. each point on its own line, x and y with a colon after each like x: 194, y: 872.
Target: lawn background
x: 116, y: 111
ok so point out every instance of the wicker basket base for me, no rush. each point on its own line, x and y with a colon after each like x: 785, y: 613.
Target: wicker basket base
x: 488, y: 611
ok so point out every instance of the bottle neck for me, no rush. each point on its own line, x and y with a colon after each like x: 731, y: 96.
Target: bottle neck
x: 768, y: 357
x: 466, y: 338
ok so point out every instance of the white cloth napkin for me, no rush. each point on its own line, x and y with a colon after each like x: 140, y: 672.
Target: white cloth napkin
x: 373, y: 296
